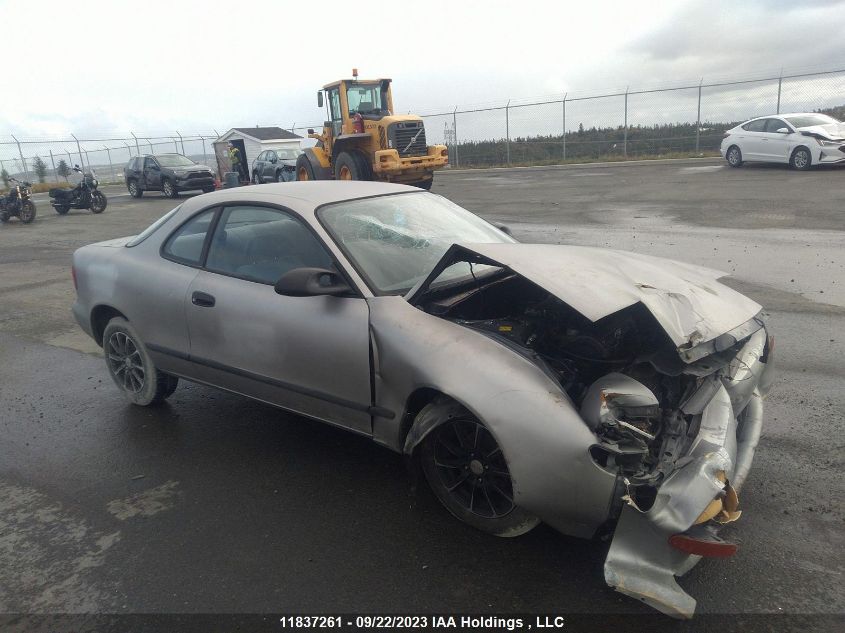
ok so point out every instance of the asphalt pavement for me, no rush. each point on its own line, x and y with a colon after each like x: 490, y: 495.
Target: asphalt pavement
x: 216, y: 504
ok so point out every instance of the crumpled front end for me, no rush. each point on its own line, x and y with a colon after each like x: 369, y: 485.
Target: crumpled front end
x: 673, y: 513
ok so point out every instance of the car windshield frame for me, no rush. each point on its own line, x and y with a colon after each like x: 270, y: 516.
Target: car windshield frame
x: 802, y: 120
x: 166, y: 163
x: 472, y: 222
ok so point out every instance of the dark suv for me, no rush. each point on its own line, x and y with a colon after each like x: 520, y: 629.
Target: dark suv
x: 168, y: 173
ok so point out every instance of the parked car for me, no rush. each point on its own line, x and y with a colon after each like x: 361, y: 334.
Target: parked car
x: 275, y: 165
x: 169, y: 173
x: 801, y: 140
x: 583, y: 387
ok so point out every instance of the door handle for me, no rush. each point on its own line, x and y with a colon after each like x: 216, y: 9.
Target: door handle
x: 202, y: 300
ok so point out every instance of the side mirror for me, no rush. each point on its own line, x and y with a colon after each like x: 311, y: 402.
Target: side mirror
x: 783, y: 130
x: 504, y: 228
x: 319, y: 98
x: 273, y: 159
x: 311, y: 282
x: 310, y: 130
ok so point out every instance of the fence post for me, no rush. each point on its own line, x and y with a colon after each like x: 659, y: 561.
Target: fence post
x: 780, y: 83
x: 508, y: 130
x: 79, y: 149
x: 698, y: 117
x: 128, y: 149
x: 564, y: 125
x: 150, y: 143
x: 111, y: 167
x: 53, y: 163
x: 455, y: 133
x: 23, y: 160
x: 204, y: 156
x: 625, y: 137
x: 69, y: 161
x: 137, y: 147
x: 181, y: 142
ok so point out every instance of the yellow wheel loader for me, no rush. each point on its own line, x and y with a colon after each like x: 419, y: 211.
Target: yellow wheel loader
x: 363, y: 140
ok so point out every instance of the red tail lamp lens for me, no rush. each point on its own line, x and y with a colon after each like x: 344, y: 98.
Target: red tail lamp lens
x: 703, y: 547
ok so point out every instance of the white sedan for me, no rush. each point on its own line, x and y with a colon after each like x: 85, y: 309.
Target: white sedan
x: 801, y: 140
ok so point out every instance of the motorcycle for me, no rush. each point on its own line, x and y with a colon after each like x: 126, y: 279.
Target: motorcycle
x: 18, y: 202
x: 85, y: 195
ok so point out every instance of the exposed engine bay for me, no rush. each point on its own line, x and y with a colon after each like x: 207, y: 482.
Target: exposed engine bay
x: 622, y: 372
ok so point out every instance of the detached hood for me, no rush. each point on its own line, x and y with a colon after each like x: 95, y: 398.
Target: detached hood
x: 686, y: 300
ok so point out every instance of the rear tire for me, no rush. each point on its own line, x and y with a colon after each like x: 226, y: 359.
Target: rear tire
x: 207, y: 189
x: 98, y: 202
x: 168, y: 188
x: 351, y: 166
x: 27, y: 212
x: 467, y: 472
x: 304, y: 170
x: 62, y: 210
x: 4, y: 217
x: 801, y: 159
x: 734, y: 156
x: 256, y: 180
x: 135, y: 189
x: 131, y: 367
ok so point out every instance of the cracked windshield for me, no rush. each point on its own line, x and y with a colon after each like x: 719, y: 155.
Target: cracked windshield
x: 395, y: 241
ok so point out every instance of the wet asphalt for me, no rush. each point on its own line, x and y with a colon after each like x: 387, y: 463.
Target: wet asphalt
x: 213, y: 503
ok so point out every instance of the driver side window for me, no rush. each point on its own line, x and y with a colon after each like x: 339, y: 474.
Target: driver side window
x: 149, y: 163
x: 262, y: 244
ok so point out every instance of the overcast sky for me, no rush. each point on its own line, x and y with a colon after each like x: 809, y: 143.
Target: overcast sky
x: 108, y: 67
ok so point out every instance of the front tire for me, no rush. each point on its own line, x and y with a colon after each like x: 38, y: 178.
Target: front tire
x: 27, y: 212
x: 98, y: 202
x: 256, y: 179
x: 131, y: 367
x: 734, y: 156
x: 801, y: 159
x: 169, y: 189
x: 304, y: 170
x: 4, y: 217
x: 135, y: 189
x: 467, y: 472
x: 351, y: 166
x: 424, y: 184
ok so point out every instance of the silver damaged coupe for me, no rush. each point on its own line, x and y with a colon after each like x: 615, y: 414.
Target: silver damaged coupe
x: 606, y: 393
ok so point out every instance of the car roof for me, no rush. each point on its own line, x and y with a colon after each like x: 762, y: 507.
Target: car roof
x: 311, y: 193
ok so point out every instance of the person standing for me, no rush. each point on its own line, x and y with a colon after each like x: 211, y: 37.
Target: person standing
x: 236, y: 162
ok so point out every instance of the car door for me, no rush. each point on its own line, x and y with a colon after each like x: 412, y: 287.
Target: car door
x: 310, y: 354
x: 259, y: 166
x: 152, y: 173
x: 159, y: 286
x: 778, y: 144
x: 752, y: 145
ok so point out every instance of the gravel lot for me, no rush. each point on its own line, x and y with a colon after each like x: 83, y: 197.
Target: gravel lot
x: 213, y: 503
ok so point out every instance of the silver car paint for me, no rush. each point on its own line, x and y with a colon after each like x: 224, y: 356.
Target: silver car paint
x: 543, y: 437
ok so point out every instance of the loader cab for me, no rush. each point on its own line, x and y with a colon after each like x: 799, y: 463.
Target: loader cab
x: 369, y: 98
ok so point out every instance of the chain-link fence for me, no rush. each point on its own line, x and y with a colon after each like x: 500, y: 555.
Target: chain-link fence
x: 628, y: 123
x: 50, y: 160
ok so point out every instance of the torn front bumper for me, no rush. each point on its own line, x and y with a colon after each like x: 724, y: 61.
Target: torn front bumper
x: 641, y: 562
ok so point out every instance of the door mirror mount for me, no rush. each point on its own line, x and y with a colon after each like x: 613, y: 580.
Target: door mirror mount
x: 319, y: 98
x: 311, y: 282
x: 783, y: 130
